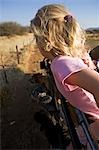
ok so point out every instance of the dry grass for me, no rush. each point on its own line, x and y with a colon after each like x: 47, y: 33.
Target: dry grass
x: 29, y: 55
x: 8, y: 44
x: 31, y: 59
x: 92, y: 40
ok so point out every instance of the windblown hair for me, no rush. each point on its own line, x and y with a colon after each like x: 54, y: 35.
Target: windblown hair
x: 55, y: 34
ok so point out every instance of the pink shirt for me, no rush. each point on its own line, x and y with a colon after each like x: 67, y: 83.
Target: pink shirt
x: 62, y: 67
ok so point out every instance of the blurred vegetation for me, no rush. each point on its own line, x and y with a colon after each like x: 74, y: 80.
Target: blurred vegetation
x: 12, y: 28
x: 93, y: 31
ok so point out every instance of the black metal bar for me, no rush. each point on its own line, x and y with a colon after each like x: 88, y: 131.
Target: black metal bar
x: 74, y: 137
x: 84, y: 123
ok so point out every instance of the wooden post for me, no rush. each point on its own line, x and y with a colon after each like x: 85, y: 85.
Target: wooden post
x: 5, y: 74
x: 17, y: 52
x: 4, y: 71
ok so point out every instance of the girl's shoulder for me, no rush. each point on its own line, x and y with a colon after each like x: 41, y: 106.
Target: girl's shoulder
x: 67, y: 61
x: 73, y: 62
x: 65, y: 58
x: 67, y: 65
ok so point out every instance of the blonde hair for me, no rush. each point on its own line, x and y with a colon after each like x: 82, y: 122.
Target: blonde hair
x: 55, y: 34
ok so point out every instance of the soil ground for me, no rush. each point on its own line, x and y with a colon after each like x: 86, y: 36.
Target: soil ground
x: 24, y: 123
x: 19, y: 128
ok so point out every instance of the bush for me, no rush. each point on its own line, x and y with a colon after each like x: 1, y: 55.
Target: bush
x: 93, y: 31
x: 12, y: 28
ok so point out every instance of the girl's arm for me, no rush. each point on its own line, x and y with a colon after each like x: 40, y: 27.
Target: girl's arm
x: 86, y: 79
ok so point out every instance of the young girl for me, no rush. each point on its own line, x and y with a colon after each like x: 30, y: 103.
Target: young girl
x: 60, y: 39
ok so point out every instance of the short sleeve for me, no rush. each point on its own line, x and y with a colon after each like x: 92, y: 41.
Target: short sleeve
x: 65, y: 66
